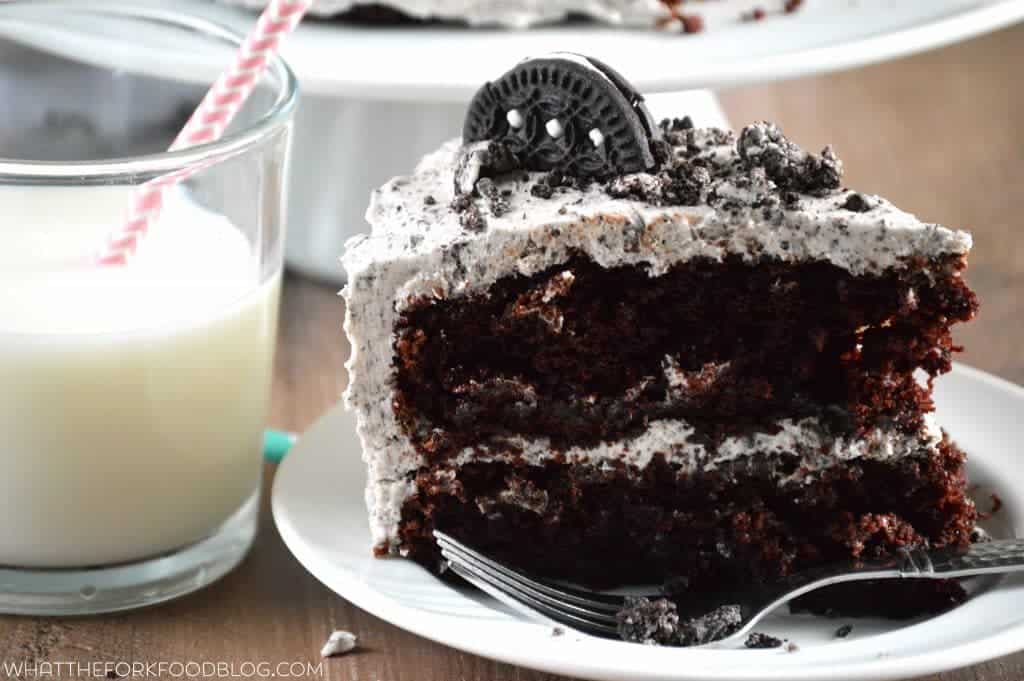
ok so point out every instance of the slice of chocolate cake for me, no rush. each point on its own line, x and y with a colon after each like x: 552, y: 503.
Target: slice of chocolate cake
x: 616, y: 351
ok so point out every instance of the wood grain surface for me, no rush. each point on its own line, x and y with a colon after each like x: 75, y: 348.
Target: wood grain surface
x: 941, y: 134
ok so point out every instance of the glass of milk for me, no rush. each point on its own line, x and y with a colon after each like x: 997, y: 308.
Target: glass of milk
x: 132, y: 398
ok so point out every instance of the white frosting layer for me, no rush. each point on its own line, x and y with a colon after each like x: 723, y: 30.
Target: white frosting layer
x: 525, y: 13
x: 804, y: 439
x: 673, y: 439
x: 417, y: 247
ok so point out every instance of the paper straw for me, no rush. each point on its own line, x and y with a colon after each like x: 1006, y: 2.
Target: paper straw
x: 208, y: 122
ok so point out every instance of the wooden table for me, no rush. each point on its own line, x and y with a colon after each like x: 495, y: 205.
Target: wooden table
x: 941, y: 134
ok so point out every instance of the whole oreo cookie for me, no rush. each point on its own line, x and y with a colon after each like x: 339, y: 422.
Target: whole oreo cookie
x: 565, y: 112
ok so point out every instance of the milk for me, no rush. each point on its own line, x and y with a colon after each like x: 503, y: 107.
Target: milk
x: 132, y: 399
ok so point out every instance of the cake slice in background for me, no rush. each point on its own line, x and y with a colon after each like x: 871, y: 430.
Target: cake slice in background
x: 615, y: 351
x: 683, y: 16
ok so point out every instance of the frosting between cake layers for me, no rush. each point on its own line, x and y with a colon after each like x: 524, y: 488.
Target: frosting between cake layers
x: 806, y: 439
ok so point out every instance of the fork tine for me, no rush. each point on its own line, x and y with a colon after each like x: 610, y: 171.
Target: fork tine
x: 525, y: 604
x: 497, y: 593
x: 451, y: 553
x: 606, y: 603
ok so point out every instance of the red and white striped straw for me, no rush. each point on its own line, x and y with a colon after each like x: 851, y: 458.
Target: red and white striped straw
x: 208, y: 123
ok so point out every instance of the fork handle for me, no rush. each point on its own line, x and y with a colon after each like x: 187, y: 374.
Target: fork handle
x: 994, y: 557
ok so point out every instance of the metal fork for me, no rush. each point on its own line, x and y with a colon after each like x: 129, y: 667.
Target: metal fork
x: 594, y: 612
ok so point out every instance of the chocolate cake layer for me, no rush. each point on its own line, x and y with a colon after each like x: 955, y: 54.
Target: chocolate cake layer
x: 897, y: 599
x: 581, y: 354
x: 753, y: 519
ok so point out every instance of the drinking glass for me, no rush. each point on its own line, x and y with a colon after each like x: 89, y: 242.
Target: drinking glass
x: 132, y: 397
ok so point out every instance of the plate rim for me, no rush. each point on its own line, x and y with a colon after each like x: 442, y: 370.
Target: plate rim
x: 308, y: 52
x: 436, y: 627
x: 866, y: 51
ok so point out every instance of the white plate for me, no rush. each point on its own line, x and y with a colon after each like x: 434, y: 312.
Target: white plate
x: 318, y: 505
x: 449, y: 64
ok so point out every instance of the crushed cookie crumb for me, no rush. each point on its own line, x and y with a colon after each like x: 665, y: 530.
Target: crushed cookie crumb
x: 482, y: 160
x: 787, y: 165
x: 496, y: 201
x: 661, y: 151
x: 657, y: 622
x: 759, y: 641
x: 676, y: 124
x: 469, y: 214
x: 338, y: 643
x: 856, y: 203
x: 542, y: 190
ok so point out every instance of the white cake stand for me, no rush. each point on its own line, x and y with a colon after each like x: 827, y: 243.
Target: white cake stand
x: 376, y: 99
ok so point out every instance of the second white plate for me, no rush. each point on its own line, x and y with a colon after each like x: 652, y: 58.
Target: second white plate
x: 430, y: 63
x: 318, y: 506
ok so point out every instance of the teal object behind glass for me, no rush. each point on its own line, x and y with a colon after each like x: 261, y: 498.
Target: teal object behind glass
x: 276, y: 444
